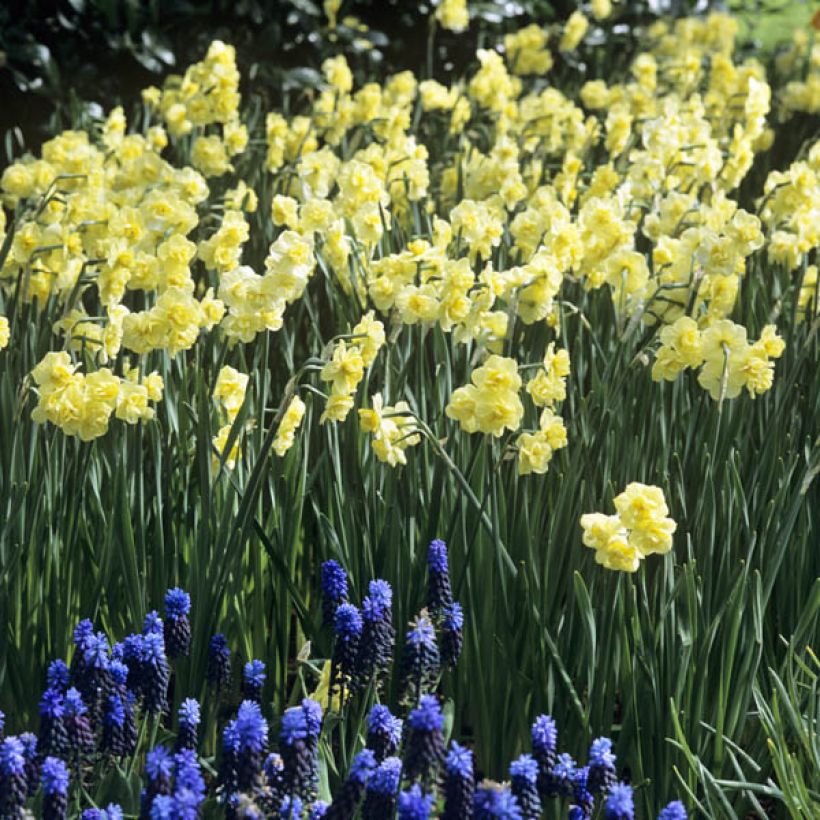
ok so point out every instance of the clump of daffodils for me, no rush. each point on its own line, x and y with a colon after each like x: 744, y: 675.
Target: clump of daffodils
x: 491, y: 404
x: 393, y: 429
x: 82, y: 404
x: 347, y: 364
x: 727, y: 362
x: 640, y: 527
x: 472, y: 207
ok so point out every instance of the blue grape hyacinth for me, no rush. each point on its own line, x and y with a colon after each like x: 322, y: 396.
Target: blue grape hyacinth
x: 619, y: 803
x: 425, y: 744
x: 334, y: 590
x: 177, y: 625
x: 494, y: 801
x: 253, y: 680
x: 219, y: 662
x: 415, y: 804
x: 189, y: 719
x: 459, y: 783
x: 383, y: 731
x: 524, y: 784
x: 54, y: 779
x: 382, y: 790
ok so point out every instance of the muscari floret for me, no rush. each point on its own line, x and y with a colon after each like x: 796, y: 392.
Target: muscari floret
x: 152, y: 623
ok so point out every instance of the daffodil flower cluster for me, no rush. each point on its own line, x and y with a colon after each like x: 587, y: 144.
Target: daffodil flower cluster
x: 291, y: 419
x: 207, y: 95
x: 229, y: 395
x: 349, y: 360
x: 393, y: 429
x: 801, y: 62
x: 727, y: 361
x: 789, y: 209
x: 639, y: 528
x: 546, y: 389
x: 491, y: 404
x: 81, y: 404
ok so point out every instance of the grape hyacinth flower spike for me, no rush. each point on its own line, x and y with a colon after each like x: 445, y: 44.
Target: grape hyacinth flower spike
x: 602, y: 775
x: 53, y: 738
x: 189, y: 719
x: 494, y: 801
x: 524, y: 784
x: 54, y: 778
x: 253, y: 680
x: 219, y: 663
x: 383, y: 732
x: 334, y: 590
x: 544, y: 736
x: 382, y: 790
x: 452, y: 634
x: 459, y: 783
x: 156, y: 673
x: 673, y: 811
x: 12, y: 777
x: 78, y: 727
x: 425, y: 743
x: 378, y: 634
x: 32, y: 761
x: 299, y: 747
x: 177, y: 625
x: 415, y: 804
x: 420, y: 659
x: 347, y: 628
x: 619, y: 803
x: 440, y: 593
x: 583, y: 799
x: 159, y: 770
x: 57, y: 676
x: 349, y: 795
